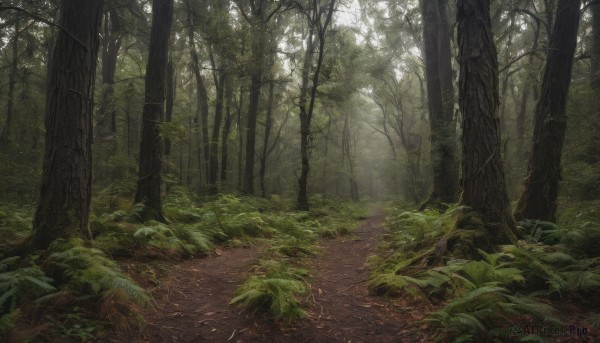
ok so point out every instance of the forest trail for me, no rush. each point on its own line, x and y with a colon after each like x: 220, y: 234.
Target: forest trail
x: 192, y: 302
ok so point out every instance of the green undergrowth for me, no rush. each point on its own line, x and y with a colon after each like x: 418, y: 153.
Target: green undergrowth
x: 74, y: 291
x: 276, y: 284
x: 274, y: 288
x: 195, y: 227
x: 481, y: 298
x: 71, y: 292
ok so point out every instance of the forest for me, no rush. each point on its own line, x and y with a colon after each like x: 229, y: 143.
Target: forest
x: 299, y: 171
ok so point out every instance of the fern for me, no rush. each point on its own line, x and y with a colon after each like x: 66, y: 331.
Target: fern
x: 274, y: 290
x: 20, y: 282
x: 90, y: 269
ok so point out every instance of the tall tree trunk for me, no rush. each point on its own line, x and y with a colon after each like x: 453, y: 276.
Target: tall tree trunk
x: 65, y: 192
x: 256, y: 79
x: 268, y: 127
x: 111, y: 44
x: 201, y: 118
x: 347, y: 155
x: 306, y: 114
x: 151, y: 153
x: 12, y: 80
x: 440, y: 95
x: 220, y: 84
x: 483, y: 181
x: 538, y: 200
x: 593, y: 150
x: 240, y: 129
x: 530, y: 83
x: 448, y: 191
x: 170, y: 100
x: 302, y: 201
x: 106, y: 121
x: 226, y: 132
x: 128, y: 98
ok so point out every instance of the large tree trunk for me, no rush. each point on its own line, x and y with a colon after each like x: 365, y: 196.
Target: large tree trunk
x: 258, y: 48
x: 538, y: 200
x: 65, y: 192
x: 106, y: 121
x: 170, y: 101
x: 440, y: 102
x: 213, y: 176
x: 483, y: 181
x: 12, y: 80
x: 151, y: 153
x: 201, y: 117
x: 593, y: 149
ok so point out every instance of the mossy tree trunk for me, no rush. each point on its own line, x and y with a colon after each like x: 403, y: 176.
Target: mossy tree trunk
x: 483, y: 182
x: 539, y: 199
x: 65, y: 192
x: 440, y: 102
x: 151, y: 150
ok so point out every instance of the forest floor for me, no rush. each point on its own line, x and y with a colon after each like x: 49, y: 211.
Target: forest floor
x: 192, y: 300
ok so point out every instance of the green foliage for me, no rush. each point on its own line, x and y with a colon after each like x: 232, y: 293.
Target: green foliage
x: 487, y: 293
x: 19, y: 286
x: 84, y: 271
x: 15, y: 223
x: 484, y: 314
x: 410, y: 231
x: 537, y: 231
x: 274, y: 288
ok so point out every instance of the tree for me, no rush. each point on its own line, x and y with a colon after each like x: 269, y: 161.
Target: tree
x: 261, y: 13
x: 538, y: 200
x: 201, y: 117
x: 65, y: 191
x: 482, y: 181
x: 440, y: 102
x: 106, y: 115
x: 319, y: 19
x: 6, y: 132
x: 149, y: 179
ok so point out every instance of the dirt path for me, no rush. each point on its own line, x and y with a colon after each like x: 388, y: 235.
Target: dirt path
x: 194, y: 307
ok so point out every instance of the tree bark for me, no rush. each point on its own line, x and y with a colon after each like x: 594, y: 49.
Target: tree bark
x: 483, y: 181
x: 201, y: 118
x: 539, y: 199
x: 440, y: 95
x: 307, y: 114
x: 65, y: 192
x: 213, y: 176
x: 268, y: 127
x: 302, y: 201
x: 593, y: 150
x: 225, y: 136
x: 170, y: 100
x: 258, y: 48
x: 12, y: 80
x: 151, y: 152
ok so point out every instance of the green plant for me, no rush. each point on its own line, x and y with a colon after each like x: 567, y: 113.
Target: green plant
x: 484, y: 313
x: 84, y: 271
x: 274, y: 289
x: 20, y: 282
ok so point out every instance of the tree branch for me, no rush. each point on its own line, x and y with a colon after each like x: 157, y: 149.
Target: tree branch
x: 43, y: 20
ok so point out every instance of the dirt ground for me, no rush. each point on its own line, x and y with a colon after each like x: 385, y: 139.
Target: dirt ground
x: 193, y: 300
